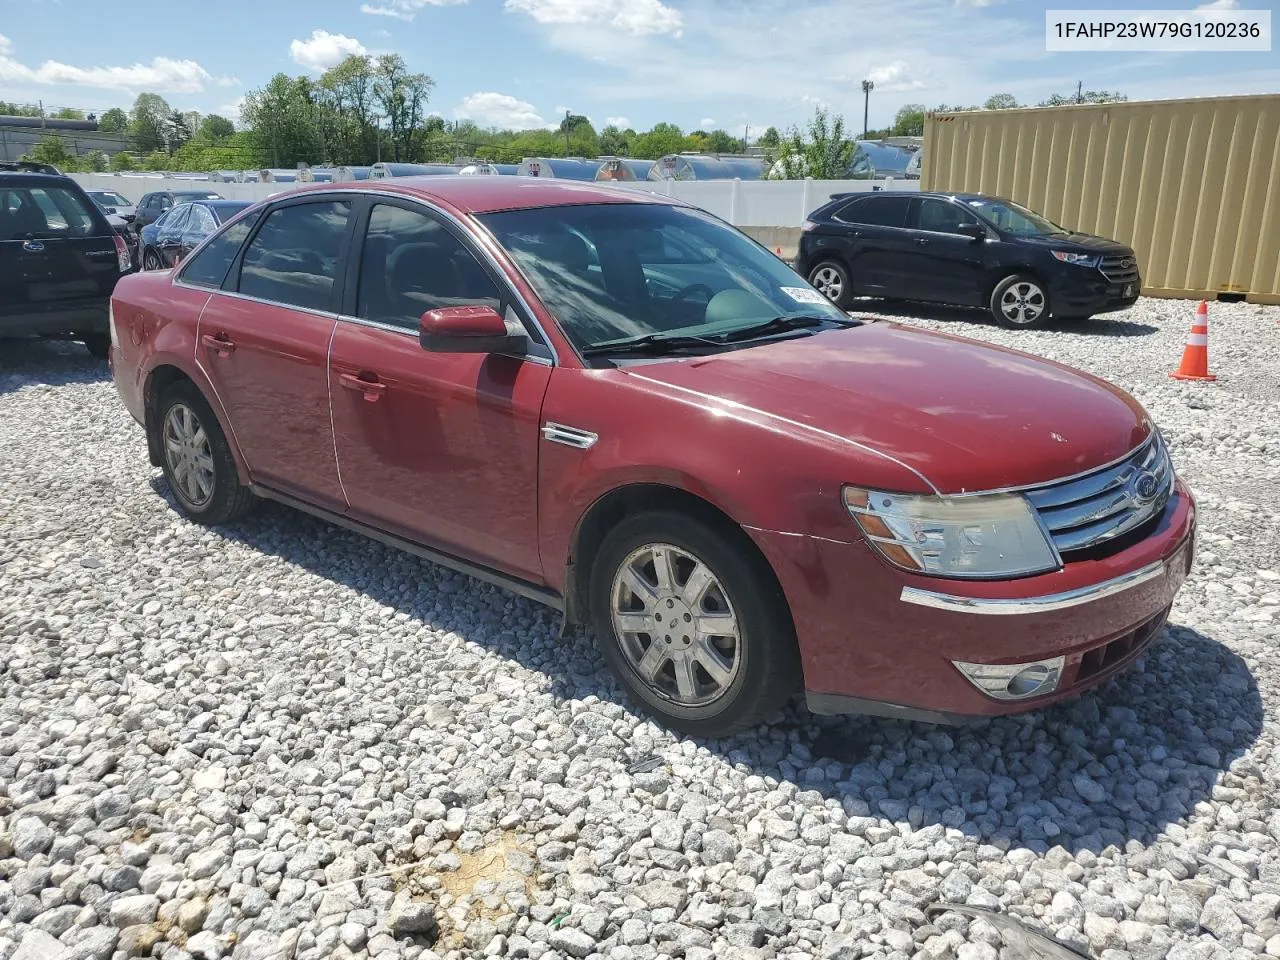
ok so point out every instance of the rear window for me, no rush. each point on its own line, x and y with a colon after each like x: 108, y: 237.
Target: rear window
x: 47, y: 213
x: 877, y: 211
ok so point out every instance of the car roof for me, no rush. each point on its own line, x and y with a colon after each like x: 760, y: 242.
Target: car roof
x: 20, y: 178
x: 491, y: 194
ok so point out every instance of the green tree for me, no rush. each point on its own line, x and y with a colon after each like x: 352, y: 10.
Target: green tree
x: 177, y: 131
x: 353, y: 98
x: 51, y: 150
x: 214, y: 128
x: 1001, y: 101
x: 662, y: 139
x: 718, y: 141
x: 771, y: 139
x: 10, y: 109
x: 281, y: 119
x: 114, y: 120
x: 68, y: 113
x: 908, y: 121
x: 157, y: 160
x: 821, y: 151
x: 95, y: 161
x: 615, y: 142
x: 122, y: 162
x: 1086, y: 96
x: 402, y: 97
x: 148, y: 122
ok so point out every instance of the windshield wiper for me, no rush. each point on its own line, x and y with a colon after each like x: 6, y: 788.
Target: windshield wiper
x: 788, y: 321
x: 649, y: 343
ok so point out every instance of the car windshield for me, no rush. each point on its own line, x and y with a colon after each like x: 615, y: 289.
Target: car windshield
x: 110, y: 199
x: 620, y: 271
x: 1013, y: 218
x: 196, y: 196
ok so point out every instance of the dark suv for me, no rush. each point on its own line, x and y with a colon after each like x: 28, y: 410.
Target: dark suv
x: 59, y: 259
x: 965, y: 250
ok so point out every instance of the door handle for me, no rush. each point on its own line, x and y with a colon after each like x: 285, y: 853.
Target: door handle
x: 922, y: 241
x: 220, y: 343
x: 372, y: 389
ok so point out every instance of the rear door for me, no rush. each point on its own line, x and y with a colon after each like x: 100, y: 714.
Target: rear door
x: 57, y: 250
x: 878, y: 244
x: 263, y: 342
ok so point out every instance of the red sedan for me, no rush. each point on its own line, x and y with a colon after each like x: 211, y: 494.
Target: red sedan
x: 622, y: 407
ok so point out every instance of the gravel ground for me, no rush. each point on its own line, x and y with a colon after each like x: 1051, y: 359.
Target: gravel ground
x: 282, y: 740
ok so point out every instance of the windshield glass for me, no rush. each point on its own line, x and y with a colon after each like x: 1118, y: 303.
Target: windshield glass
x: 196, y: 196
x: 110, y: 199
x: 1015, y: 219
x: 620, y: 270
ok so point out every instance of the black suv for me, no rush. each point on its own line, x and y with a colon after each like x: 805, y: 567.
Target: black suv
x: 967, y: 250
x: 59, y: 259
x: 155, y: 205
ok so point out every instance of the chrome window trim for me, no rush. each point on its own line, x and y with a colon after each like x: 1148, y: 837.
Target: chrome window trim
x: 325, y: 314
x: 1046, y: 603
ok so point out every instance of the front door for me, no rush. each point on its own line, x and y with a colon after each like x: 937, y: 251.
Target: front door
x: 947, y: 264
x: 438, y: 448
x: 264, y: 339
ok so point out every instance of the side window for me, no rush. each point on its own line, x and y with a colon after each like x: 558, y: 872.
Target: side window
x: 411, y: 264
x: 941, y: 216
x: 201, y: 222
x: 209, y: 267
x: 176, y: 222
x: 849, y: 213
x: 881, y: 211
x: 293, y: 259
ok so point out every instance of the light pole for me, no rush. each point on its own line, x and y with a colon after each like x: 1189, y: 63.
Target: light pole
x: 867, y: 87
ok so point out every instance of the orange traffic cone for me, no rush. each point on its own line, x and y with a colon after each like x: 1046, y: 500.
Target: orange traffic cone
x: 1195, y: 356
x: 778, y: 251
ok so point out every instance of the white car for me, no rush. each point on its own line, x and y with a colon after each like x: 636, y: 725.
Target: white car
x: 113, y: 203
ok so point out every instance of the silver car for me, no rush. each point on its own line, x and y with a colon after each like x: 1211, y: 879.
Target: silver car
x: 113, y: 203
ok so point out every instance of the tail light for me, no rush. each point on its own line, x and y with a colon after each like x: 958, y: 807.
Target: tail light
x: 808, y: 226
x: 111, y: 326
x: 123, y: 258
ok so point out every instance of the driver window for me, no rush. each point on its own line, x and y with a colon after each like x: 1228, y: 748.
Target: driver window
x: 411, y: 264
x: 941, y: 216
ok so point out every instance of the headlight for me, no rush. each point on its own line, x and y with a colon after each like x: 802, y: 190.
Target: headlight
x: 1079, y: 259
x: 985, y: 536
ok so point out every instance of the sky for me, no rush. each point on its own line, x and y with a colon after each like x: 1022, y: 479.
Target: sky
x: 730, y: 64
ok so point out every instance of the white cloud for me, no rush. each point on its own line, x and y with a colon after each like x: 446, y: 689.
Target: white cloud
x: 707, y: 123
x: 323, y: 50
x: 162, y: 73
x: 896, y: 75
x: 1220, y: 5
x: 635, y: 17
x: 975, y: 3
x: 622, y: 123
x: 403, y: 9
x: 499, y: 110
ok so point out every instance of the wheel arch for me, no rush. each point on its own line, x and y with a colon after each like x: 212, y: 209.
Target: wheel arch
x: 158, y: 380
x: 607, y: 510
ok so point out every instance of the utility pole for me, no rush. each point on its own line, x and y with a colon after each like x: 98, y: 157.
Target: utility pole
x: 1079, y: 91
x: 567, y: 115
x: 867, y: 87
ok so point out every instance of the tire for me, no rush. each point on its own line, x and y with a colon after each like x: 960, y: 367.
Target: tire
x: 831, y: 279
x: 756, y: 672
x: 1020, y: 301
x: 98, y: 344
x: 151, y: 260
x: 197, y: 460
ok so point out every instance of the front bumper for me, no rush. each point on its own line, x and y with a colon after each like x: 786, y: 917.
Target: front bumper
x: 877, y: 640
x: 1090, y: 293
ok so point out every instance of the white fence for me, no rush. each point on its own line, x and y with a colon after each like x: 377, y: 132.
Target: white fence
x: 745, y: 203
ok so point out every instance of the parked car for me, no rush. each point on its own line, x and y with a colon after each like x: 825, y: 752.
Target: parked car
x: 153, y: 205
x: 112, y: 202
x: 965, y: 250
x: 165, y: 242
x: 125, y: 232
x: 622, y: 407
x: 59, y: 260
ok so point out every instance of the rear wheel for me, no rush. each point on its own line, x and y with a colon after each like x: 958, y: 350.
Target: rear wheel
x: 832, y: 280
x: 151, y: 261
x: 197, y: 460
x: 693, y: 623
x: 1020, y: 301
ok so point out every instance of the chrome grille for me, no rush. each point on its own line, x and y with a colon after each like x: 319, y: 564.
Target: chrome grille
x: 1120, y: 269
x: 1108, y: 503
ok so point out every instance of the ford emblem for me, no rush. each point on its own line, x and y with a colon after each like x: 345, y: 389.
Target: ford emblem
x: 33, y: 246
x: 1127, y: 262
x: 1146, y: 486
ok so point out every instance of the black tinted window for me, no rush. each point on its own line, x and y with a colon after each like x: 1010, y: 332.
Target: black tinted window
x: 43, y: 212
x: 294, y: 257
x: 942, y: 216
x: 878, y: 211
x: 412, y: 264
x: 208, y: 268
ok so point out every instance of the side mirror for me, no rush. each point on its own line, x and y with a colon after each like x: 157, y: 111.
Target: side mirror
x: 974, y: 231
x: 468, y: 330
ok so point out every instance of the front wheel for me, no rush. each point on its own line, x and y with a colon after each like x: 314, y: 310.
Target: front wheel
x: 151, y: 261
x: 1020, y: 301
x: 692, y: 621
x: 832, y: 280
x: 197, y: 460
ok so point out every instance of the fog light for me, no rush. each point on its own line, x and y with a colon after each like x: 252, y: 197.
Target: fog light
x: 1014, y: 681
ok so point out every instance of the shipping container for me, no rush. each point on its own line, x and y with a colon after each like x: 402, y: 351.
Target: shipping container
x: 1192, y: 185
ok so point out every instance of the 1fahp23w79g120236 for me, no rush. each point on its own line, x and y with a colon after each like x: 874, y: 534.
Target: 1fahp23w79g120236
x: 622, y: 407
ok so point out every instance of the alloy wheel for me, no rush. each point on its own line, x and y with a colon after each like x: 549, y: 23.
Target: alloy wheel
x: 150, y: 261
x: 1022, y: 303
x: 188, y: 454
x: 676, y: 625
x: 828, y: 282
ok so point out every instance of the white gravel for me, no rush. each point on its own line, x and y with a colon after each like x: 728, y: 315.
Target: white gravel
x: 223, y: 744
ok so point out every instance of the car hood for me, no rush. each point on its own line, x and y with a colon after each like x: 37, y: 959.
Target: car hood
x: 1079, y: 243
x: 967, y: 416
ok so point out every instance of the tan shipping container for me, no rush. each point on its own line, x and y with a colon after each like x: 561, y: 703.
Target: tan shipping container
x: 1192, y: 185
